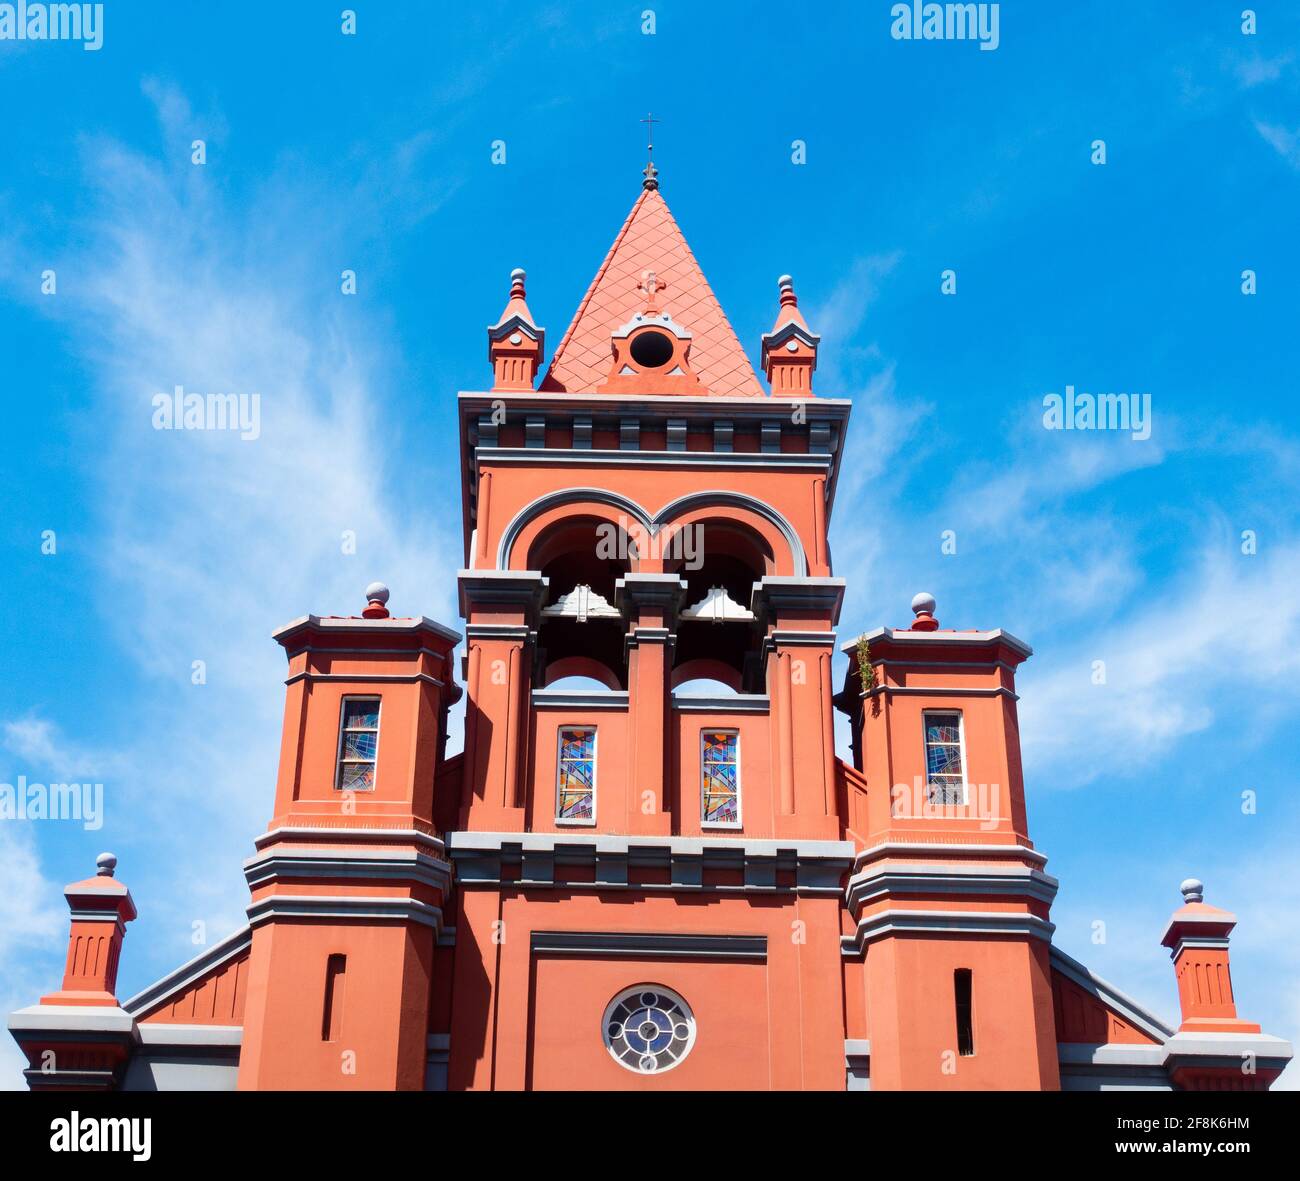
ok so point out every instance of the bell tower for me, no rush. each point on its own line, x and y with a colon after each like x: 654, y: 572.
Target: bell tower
x: 650, y: 614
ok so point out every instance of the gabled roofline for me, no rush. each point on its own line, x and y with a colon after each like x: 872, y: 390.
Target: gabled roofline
x: 181, y: 978
x: 1109, y: 995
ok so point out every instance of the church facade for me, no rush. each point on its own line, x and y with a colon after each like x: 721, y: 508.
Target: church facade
x: 648, y: 869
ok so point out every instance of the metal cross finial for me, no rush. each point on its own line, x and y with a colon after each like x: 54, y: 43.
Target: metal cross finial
x: 650, y: 171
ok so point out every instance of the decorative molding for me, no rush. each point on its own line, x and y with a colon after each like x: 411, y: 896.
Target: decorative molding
x: 704, y: 499
x: 945, y: 922
x: 965, y: 639
x: 373, y: 908
x: 885, y: 881
x: 352, y: 625
x: 818, y: 866
x: 653, y: 946
x: 606, y: 699
x: 290, y: 864
x: 366, y: 834
x: 939, y: 849
x: 737, y: 703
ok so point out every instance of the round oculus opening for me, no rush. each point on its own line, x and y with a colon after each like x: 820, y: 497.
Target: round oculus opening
x: 652, y: 349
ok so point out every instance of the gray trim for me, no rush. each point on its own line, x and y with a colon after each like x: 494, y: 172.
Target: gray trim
x: 799, y: 461
x: 857, y: 1064
x: 1198, y: 941
x: 968, y: 639
x: 162, y: 1033
x: 351, y: 625
x: 936, y: 691
x: 702, y: 499
x: 501, y: 587
x: 365, y: 833
x: 479, y: 857
x: 932, y: 849
x: 1222, y: 1050
x: 1109, y: 1054
x: 367, y: 678
x: 403, y: 865
x: 743, y: 405
x: 639, y: 944
x: 884, y: 881
x: 945, y: 922
x: 607, y: 699
x: 181, y: 978
x: 499, y: 631
x: 739, y: 703
x: 68, y: 1022
x: 1109, y: 995
x: 1089, y: 1066
x: 354, y: 907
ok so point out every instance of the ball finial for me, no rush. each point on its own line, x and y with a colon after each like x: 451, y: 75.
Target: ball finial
x: 1193, y: 890
x: 376, y: 597
x: 107, y: 862
x: 518, y: 275
x: 784, y: 282
x: 923, y: 609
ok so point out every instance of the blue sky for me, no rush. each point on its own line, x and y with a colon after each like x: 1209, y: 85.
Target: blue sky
x: 373, y: 152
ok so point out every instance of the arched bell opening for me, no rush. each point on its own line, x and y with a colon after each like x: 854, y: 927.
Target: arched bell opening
x: 580, y: 631
x: 717, y: 633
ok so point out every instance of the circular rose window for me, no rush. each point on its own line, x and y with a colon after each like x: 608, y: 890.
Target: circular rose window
x: 648, y: 1029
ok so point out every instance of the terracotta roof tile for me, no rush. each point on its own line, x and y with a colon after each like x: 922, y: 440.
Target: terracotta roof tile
x: 650, y: 240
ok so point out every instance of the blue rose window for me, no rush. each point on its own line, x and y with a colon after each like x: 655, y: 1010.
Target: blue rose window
x: 648, y: 1029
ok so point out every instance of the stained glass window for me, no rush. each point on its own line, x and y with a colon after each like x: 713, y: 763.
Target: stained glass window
x: 648, y: 1029
x: 944, y: 774
x: 358, y: 744
x: 720, y: 777
x: 576, y: 776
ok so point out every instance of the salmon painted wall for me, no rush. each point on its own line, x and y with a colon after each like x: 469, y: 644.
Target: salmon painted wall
x: 526, y: 1017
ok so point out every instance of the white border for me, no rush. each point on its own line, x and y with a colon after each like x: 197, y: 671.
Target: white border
x: 636, y: 990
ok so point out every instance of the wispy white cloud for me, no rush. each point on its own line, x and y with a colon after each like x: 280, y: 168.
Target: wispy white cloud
x: 1284, y: 141
x: 205, y: 542
x: 1162, y: 667
x: 1257, y: 70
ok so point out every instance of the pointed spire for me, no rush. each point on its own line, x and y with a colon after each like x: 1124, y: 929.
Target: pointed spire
x: 650, y: 172
x: 515, y: 342
x: 790, y: 349
x: 650, y: 240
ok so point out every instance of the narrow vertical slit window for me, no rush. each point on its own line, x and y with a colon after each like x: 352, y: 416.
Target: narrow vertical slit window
x: 945, y: 763
x: 720, y: 778
x: 331, y: 1022
x: 961, y: 981
x: 358, y: 744
x: 575, y: 790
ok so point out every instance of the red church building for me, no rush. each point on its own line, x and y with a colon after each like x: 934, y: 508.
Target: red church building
x: 648, y: 869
